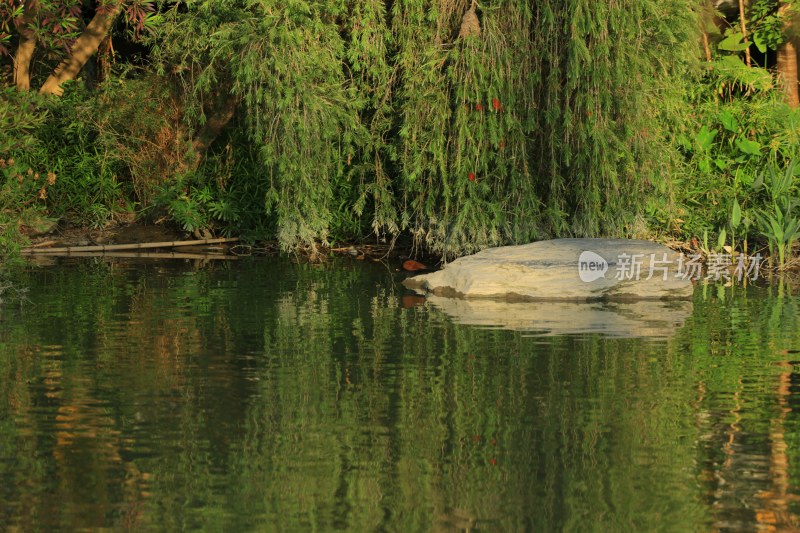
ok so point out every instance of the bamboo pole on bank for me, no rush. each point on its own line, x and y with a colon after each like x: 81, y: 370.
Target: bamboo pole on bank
x: 141, y: 255
x: 132, y: 246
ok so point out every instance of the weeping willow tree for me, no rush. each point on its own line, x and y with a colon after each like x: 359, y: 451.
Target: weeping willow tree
x: 464, y: 97
x: 612, y: 85
x: 466, y: 124
x: 370, y: 48
x: 282, y: 62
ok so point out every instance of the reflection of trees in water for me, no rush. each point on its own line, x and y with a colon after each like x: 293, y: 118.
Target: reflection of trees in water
x: 748, y: 462
x: 419, y: 424
x: 775, y: 511
x: 308, y: 396
x: 88, y: 461
x: 743, y: 412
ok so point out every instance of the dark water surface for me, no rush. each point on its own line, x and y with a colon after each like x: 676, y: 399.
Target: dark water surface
x: 266, y: 395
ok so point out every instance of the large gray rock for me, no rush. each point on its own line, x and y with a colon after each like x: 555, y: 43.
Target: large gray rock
x: 563, y: 269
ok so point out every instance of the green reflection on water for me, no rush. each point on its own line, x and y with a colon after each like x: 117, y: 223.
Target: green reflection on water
x: 267, y: 395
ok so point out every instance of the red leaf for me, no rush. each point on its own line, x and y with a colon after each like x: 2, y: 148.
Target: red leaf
x: 412, y: 265
x: 410, y: 301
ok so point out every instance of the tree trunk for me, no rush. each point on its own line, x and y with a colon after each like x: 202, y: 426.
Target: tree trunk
x: 742, y: 14
x: 222, y: 114
x: 82, y: 50
x: 105, y: 55
x: 787, y: 62
x: 27, y: 45
x: 787, y: 67
x: 706, y: 47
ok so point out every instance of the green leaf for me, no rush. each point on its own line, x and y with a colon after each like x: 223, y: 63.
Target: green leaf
x: 749, y: 147
x: 153, y: 20
x: 759, y: 42
x: 777, y: 230
x: 705, y: 138
x: 732, y: 62
x: 733, y: 43
x: 778, y: 213
x: 721, y: 239
x: 759, y: 182
x: 685, y: 143
x: 791, y: 230
x: 729, y: 122
x: 736, y: 214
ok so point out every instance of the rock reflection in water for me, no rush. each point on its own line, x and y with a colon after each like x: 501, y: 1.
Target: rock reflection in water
x: 627, y: 320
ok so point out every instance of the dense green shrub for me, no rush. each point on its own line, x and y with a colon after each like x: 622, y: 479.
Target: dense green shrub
x: 740, y: 137
x: 52, y: 163
x: 19, y: 120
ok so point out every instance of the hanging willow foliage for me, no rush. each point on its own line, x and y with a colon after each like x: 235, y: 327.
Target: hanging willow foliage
x: 464, y: 101
x: 284, y: 61
x: 467, y: 124
x: 369, y: 53
x: 613, y: 79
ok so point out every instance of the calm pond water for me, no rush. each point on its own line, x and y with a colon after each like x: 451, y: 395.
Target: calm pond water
x: 264, y: 395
